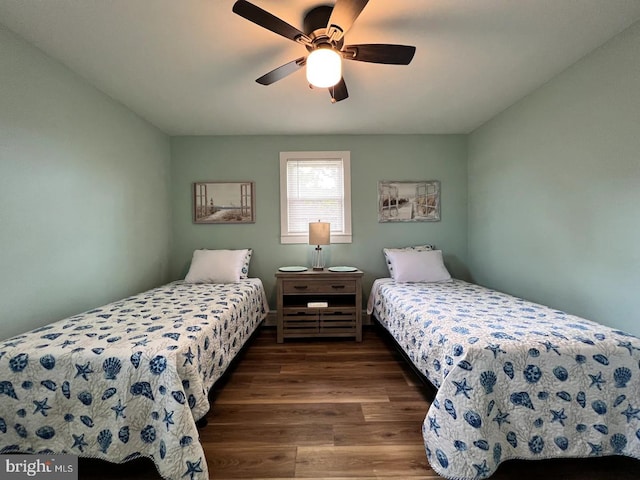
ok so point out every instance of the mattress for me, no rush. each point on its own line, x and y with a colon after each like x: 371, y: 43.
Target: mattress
x: 129, y: 379
x: 515, y: 379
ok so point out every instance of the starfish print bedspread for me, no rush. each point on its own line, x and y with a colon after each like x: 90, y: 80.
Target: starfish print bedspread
x: 515, y: 379
x: 129, y: 379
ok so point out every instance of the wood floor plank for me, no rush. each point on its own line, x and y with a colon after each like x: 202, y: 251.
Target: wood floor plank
x: 377, y: 433
x: 395, y: 412
x: 327, y: 367
x: 268, y: 434
x: 394, y: 382
x: 310, y: 393
x: 270, y: 355
x: 251, y: 462
x: 354, y: 356
x: 257, y: 367
x: 286, y: 414
x: 395, y: 461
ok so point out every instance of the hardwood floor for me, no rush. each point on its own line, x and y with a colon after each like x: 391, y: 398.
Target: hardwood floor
x: 332, y: 409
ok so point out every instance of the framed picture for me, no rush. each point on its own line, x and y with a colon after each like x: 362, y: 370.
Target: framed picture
x: 224, y: 202
x: 408, y: 201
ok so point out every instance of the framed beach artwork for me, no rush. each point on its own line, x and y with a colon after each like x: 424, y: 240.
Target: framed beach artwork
x: 409, y: 201
x: 224, y: 202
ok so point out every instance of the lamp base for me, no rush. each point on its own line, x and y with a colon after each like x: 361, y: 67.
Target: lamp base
x: 318, y: 260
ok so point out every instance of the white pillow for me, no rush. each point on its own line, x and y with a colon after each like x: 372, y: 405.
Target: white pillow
x: 216, y: 266
x: 417, y: 248
x: 416, y: 266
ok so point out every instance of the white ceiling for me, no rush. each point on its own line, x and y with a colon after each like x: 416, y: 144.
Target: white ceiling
x: 189, y: 66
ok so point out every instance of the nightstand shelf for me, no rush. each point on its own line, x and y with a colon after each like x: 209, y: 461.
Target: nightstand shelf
x: 342, y: 292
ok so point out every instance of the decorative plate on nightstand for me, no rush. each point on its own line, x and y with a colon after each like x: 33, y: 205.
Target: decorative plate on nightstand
x: 293, y: 268
x: 342, y: 268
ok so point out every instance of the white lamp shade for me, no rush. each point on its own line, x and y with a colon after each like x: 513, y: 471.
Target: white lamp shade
x: 324, y: 67
x: 319, y: 233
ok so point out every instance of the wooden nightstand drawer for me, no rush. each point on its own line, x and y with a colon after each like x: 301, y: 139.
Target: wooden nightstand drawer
x: 303, y: 286
x: 338, y: 321
x: 303, y: 322
x: 297, y: 323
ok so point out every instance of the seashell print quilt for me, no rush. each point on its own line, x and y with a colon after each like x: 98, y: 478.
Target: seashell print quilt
x: 515, y: 379
x: 129, y: 379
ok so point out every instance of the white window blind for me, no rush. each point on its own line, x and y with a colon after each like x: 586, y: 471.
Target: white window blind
x: 315, y: 186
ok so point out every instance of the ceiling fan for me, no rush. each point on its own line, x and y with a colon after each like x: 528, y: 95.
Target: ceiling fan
x: 324, y: 30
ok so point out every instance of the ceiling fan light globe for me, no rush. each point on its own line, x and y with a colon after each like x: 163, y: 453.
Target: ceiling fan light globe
x: 324, y: 67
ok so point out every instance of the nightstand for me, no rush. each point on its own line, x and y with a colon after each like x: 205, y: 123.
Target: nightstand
x: 340, y: 291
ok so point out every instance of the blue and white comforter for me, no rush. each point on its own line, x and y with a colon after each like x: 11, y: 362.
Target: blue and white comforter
x: 515, y: 379
x: 129, y: 379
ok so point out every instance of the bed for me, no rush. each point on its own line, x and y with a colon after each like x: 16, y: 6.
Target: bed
x: 514, y: 379
x: 129, y: 379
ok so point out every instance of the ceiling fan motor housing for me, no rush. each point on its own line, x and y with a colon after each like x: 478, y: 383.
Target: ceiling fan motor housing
x: 316, y: 18
x: 315, y: 27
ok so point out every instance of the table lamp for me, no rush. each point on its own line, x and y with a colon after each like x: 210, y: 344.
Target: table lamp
x: 319, y: 234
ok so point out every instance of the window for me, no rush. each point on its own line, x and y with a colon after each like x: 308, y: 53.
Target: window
x: 315, y: 186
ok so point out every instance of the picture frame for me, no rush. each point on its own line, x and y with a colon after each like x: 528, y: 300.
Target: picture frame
x: 408, y: 201
x: 224, y: 202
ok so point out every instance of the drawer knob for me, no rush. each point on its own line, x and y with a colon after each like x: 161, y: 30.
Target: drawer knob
x: 337, y: 286
x: 300, y: 287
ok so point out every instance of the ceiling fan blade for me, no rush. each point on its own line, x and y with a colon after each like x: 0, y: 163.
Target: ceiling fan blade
x: 342, y: 17
x: 282, y: 71
x: 380, y: 53
x: 270, y: 22
x: 338, y: 91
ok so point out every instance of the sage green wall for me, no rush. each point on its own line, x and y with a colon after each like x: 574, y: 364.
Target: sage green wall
x: 545, y: 194
x: 554, y: 190
x: 373, y: 158
x: 84, y: 193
